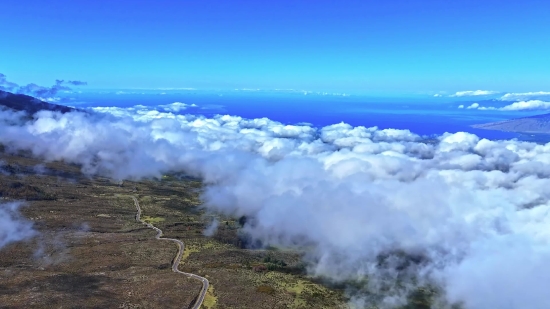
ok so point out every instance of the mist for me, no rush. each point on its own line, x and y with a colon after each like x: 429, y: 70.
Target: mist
x: 13, y: 226
x: 476, y: 212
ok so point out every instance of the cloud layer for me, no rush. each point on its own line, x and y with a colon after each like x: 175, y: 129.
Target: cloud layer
x: 526, y: 96
x: 476, y: 211
x: 516, y: 106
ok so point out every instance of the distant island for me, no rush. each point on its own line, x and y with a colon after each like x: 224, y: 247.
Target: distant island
x: 539, y: 124
x: 32, y: 105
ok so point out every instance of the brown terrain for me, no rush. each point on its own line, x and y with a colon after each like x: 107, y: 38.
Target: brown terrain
x: 90, y: 252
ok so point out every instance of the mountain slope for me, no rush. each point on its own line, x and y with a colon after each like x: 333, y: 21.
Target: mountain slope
x: 534, y: 124
x: 21, y: 102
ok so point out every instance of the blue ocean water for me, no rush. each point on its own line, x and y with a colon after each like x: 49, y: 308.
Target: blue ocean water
x: 421, y: 115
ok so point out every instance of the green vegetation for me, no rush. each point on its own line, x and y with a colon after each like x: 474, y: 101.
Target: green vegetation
x: 265, y: 289
x: 273, y: 264
x: 19, y: 190
x: 210, y: 300
x: 152, y: 220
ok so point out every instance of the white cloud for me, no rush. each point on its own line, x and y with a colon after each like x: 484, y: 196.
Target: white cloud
x: 478, y: 211
x: 527, y: 105
x: 525, y: 96
x: 517, y: 106
x: 461, y: 106
x: 177, y: 106
x: 470, y: 93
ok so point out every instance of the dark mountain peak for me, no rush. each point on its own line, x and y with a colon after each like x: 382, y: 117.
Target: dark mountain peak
x: 31, y: 105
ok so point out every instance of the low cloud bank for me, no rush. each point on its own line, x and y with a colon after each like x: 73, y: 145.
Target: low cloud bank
x: 527, y: 105
x: 510, y: 96
x: 522, y: 101
x: 475, y: 212
x: 516, y: 106
x: 526, y: 96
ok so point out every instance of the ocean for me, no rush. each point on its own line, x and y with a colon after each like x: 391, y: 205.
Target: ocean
x: 422, y: 115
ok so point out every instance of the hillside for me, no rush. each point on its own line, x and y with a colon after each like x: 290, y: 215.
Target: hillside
x: 535, y: 124
x: 90, y: 252
x: 21, y: 102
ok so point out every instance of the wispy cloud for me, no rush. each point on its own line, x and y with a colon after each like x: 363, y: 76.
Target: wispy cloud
x: 472, y: 93
x: 13, y: 226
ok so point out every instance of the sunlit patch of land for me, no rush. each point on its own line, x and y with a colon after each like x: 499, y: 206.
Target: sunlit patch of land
x: 152, y: 220
x: 210, y: 300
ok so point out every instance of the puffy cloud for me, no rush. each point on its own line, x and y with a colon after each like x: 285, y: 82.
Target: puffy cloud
x: 526, y: 105
x: 177, y: 106
x: 470, y: 93
x: 525, y: 101
x: 474, y: 212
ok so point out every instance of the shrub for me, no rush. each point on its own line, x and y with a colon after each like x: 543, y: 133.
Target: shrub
x: 265, y: 289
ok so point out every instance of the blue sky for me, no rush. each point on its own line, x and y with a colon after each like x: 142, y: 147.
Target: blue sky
x: 355, y: 46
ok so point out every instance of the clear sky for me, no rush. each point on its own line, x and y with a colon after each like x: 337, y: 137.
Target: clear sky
x: 391, y: 45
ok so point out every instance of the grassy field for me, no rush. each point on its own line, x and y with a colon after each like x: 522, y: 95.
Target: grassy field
x: 91, y: 253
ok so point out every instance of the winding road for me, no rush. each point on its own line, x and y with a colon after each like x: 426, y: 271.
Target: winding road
x: 177, y: 260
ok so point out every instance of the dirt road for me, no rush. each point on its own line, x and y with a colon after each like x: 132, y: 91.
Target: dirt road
x: 177, y: 260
